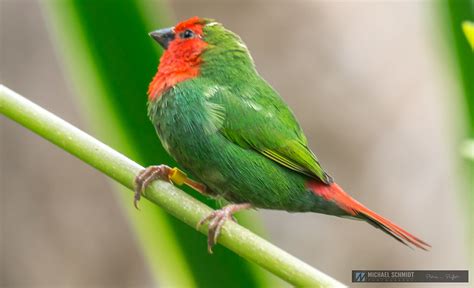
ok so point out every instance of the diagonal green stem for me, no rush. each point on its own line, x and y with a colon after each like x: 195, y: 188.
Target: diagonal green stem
x: 170, y: 198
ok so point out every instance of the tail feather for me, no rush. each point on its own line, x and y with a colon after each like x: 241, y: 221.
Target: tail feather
x: 335, y: 193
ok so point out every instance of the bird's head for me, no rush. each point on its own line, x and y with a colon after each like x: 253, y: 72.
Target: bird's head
x: 189, y: 47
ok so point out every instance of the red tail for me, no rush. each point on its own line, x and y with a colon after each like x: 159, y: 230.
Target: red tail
x: 335, y: 193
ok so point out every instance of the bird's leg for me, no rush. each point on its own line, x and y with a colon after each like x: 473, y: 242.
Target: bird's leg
x: 217, y: 219
x: 164, y: 172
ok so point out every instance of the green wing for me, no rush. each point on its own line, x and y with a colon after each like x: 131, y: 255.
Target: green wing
x: 256, y: 117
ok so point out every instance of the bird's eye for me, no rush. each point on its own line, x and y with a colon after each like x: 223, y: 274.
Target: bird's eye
x: 187, y: 34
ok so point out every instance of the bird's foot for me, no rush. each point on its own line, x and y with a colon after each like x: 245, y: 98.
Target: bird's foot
x: 217, y: 219
x: 166, y: 173
x: 146, y: 177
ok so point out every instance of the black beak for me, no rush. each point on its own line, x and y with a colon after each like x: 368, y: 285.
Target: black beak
x: 163, y: 36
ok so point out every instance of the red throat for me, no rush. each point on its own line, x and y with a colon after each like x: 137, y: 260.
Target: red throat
x: 181, y: 61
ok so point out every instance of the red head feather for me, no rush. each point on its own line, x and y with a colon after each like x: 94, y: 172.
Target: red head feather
x: 181, y: 60
x: 194, y: 23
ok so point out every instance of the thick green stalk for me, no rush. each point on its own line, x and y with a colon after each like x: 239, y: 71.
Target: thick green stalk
x: 170, y: 198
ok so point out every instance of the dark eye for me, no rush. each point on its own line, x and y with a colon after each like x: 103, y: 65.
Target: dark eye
x: 187, y: 34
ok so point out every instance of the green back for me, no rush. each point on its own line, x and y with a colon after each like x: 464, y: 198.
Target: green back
x: 247, y: 109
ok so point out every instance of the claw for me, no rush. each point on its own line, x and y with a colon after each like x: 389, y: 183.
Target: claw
x: 135, y: 200
x: 146, y: 177
x: 165, y: 173
x: 217, y: 219
x: 205, y: 219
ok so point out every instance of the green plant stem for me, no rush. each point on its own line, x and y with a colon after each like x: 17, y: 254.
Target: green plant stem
x: 170, y: 198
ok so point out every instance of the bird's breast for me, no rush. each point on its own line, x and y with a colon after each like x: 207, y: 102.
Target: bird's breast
x: 187, y: 123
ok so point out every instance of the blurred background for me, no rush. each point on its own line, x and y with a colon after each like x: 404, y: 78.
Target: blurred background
x: 375, y: 85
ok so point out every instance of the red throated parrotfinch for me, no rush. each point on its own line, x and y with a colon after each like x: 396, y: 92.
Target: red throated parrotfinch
x: 224, y: 124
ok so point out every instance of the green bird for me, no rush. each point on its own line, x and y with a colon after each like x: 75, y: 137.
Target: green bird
x: 225, y: 125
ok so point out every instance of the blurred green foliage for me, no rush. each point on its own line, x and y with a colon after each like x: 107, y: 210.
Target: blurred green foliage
x: 468, y: 28
x: 111, y: 60
x: 459, y: 11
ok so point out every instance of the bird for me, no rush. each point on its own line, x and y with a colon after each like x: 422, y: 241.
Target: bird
x: 228, y: 128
